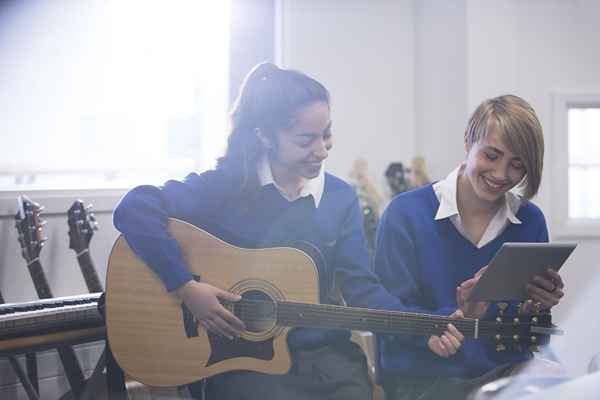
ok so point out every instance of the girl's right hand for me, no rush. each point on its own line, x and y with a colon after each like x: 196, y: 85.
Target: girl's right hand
x: 203, y: 301
x: 450, y: 341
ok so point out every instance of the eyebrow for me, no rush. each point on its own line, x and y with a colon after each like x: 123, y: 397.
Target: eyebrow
x: 497, y: 150
x: 327, y: 128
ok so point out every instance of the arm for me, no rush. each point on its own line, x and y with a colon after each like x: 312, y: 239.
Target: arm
x: 142, y: 217
x: 362, y: 288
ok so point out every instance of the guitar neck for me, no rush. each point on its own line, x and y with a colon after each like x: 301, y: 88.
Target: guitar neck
x: 363, y: 319
x: 89, y: 272
x: 39, y: 280
x: 392, y: 322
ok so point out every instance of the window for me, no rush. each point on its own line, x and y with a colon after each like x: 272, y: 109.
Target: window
x: 584, y: 162
x: 577, y: 164
x: 109, y: 94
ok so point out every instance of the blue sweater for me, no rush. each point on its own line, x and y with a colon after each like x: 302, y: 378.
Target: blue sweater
x: 208, y: 201
x: 422, y: 261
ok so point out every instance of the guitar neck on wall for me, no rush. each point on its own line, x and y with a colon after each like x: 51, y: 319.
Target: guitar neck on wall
x: 82, y: 225
x: 30, y: 234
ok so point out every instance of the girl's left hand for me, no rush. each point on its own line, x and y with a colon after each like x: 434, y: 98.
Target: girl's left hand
x: 545, y: 291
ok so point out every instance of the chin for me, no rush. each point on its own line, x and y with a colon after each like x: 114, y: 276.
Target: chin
x: 311, y: 173
x: 484, y: 194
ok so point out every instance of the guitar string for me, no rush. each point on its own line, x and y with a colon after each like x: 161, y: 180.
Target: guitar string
x: 378, y: 326
x: 352, y: 312
x: 408, y: 321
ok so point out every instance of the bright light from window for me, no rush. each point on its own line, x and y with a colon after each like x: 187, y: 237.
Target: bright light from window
x: 584, y: 162
x: 111, y: 93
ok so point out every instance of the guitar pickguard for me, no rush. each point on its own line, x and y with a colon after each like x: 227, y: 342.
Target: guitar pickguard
x: 224, y: 349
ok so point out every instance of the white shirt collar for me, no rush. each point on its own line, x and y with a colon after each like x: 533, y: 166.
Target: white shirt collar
x: 445, y: 190
x: 314, y: 187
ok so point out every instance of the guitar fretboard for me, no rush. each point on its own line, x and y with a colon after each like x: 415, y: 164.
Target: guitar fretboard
x: 39, y: 280
x: 89, y: 272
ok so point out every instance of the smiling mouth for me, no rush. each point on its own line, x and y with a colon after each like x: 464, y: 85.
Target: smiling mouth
x: 494, y: 187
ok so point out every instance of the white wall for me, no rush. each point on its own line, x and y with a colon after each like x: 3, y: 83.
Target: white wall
x: 363, y: 52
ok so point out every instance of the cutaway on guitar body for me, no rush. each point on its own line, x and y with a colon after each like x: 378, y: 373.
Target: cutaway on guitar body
x: 154, y: 340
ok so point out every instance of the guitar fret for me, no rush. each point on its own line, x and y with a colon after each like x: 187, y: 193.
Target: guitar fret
x: 39, y: 280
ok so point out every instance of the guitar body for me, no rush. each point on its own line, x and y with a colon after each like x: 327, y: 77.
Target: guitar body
x: 153, y: 336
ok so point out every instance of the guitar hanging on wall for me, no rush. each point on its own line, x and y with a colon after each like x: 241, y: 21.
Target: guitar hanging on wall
x: 30, y: 229
x: 82, y: 225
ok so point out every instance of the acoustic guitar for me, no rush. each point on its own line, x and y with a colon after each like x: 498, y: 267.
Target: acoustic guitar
x: 156, y: 339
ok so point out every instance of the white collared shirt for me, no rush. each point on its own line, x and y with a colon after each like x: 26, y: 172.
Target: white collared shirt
x: 445, y: 190
x: 312, y: 187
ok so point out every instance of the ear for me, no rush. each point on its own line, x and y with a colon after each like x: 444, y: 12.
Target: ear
x: 263, y: 139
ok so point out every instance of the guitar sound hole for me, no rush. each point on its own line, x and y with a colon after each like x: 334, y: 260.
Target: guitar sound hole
x: 258, y: 311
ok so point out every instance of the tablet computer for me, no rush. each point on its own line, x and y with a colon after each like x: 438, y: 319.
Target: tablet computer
x: 514, y: 266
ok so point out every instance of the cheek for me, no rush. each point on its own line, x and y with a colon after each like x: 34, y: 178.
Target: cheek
x: 516, y: 176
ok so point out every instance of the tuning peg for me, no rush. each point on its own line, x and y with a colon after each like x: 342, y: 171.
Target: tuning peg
x: 534, y: 348
x: 500, y: 347
x: 502, y: 306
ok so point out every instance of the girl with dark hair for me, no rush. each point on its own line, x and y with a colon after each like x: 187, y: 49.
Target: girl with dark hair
x: 269, y: 189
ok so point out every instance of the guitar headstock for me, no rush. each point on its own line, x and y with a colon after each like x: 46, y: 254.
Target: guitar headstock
x: 522, y: 331
x: 82, y: 225
x: 29, y: 226
x: 397, y: 176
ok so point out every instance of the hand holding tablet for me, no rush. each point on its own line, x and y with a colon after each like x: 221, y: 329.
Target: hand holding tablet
x: 510, y: 274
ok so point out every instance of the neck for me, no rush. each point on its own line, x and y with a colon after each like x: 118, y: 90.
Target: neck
x: 288, y: 181
x: 467, y: 199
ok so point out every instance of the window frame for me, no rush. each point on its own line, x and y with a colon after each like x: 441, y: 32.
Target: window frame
x: 564, y: 226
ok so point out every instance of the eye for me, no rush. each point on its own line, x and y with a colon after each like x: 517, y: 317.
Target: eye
x: 518, y: 165
x: 491, y: 156
x: 304, y: 141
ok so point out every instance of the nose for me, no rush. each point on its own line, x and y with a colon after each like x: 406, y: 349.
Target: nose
x: 321, y: 151
x: 501, y: 173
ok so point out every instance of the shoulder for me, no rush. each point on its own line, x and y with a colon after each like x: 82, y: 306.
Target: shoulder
x: 338, y: 189
x: 415, y: 201
x: 211, y: 179
x: 410, y: 211
x: 529, y: 212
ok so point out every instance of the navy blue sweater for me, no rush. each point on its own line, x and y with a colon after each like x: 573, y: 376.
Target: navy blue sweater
x: 422, y: 261
x: 208, y: 201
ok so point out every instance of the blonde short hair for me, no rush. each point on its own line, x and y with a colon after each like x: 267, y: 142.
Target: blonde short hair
x: 521, y: 132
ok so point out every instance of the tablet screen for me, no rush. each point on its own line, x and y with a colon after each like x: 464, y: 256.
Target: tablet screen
x: 514, y: 266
